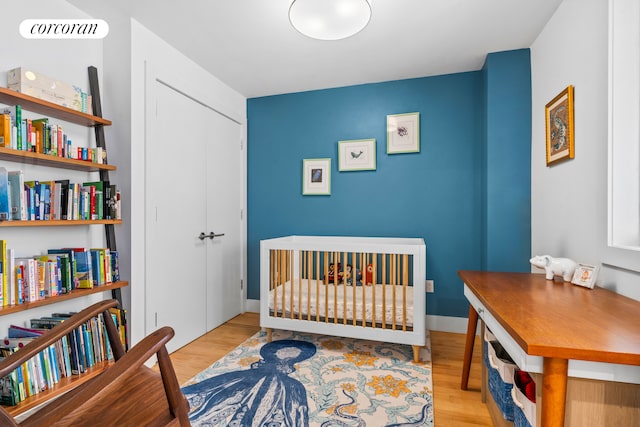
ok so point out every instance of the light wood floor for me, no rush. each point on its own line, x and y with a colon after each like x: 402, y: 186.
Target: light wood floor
x: 452, y: 406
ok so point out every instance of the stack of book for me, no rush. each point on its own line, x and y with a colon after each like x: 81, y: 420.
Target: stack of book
x: 74, y: 354
x: 59, y: 271
x: 40, y: 136
x: 32, y: 200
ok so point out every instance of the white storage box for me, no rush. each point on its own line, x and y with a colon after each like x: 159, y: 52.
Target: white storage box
x: 32, y: 83
x: 500, y: 372
x: 524, y: 414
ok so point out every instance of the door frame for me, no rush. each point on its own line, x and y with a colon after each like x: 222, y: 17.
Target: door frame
x: 152, y: 58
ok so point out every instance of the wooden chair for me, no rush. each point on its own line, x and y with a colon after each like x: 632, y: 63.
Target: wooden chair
x: 127, y: 393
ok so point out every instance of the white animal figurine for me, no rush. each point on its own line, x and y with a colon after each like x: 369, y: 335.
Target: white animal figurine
x: 555, y: 266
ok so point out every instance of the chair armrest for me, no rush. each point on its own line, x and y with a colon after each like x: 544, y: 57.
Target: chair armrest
x: 14, y: 360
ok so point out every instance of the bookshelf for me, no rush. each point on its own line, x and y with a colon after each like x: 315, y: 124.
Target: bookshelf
x: 51, y: 110
x: 38, y: 159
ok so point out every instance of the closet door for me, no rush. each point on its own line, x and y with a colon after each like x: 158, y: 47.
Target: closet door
x: 224, y: 192
x: 176, y: 209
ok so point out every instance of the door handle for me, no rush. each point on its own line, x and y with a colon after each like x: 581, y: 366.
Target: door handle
x: 211, y: 235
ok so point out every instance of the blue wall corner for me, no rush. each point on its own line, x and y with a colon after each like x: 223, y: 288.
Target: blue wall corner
x: 507, y: 159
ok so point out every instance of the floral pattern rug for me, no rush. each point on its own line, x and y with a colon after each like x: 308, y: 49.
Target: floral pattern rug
x: 302, y: 379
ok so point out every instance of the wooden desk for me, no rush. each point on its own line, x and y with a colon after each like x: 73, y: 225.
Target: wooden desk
x: 557, y: 321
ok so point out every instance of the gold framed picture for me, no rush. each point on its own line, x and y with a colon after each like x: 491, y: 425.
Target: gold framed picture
x: 559, y: 127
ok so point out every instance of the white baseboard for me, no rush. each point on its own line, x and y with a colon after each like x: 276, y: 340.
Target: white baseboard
x: 252, y: 305
x: 434, y: 323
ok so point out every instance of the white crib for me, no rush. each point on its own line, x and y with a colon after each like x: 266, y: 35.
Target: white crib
x: 360, y: 287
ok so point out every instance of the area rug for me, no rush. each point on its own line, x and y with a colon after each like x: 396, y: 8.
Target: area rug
x: 302, y: 379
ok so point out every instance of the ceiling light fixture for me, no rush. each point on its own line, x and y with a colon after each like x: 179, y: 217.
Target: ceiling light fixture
x: 329, y: 19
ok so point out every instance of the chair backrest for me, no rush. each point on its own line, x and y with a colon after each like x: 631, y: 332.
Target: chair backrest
x: 127, y: 388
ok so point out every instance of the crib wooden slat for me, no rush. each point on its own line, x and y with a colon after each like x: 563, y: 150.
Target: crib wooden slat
x: 326, y: 293
x: 384, y: 291
x: 364, y: 294
x: 344, y: 289
x: 405, y: 283
x: 272, y: 279
x: 394, y: 266
x: 292, y: 275
x: 309, y: 274
x: 373, y: 259
x: 318, y: 275
x: 335, y: 287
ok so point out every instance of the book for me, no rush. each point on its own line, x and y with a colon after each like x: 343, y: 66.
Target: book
x: 84, y: 271
x: 30, y: 279
x: 98, y: 256
x: 64, y: 198
x: 34, y: 195
x: 19, y: 129
x: 17, y: 196
x: 73, y: 266
x: 11, y: 275
x: 5, y: 130
x: 4, y: 282
x: 41, y: 129
x: 16, y: 331
x: 4, y: 194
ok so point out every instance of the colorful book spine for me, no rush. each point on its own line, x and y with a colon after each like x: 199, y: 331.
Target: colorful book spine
x: 5, y: 211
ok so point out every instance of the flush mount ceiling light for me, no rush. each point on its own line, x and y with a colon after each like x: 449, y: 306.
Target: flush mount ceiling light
x: 329, y: 19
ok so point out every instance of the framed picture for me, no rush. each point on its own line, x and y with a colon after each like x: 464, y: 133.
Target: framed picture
x: 585, y: 275
x: 403, y: 133
x: 559, y: 127
x: 316, y: 177
x: 357, y: 155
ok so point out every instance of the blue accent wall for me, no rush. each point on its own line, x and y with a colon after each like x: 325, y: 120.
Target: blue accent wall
x: 436, y: 194
x: 507, y: 160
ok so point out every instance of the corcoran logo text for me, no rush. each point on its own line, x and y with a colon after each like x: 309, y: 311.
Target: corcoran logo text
x: 64, y: 28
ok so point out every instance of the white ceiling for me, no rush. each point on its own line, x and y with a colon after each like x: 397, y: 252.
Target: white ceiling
x: 251, y: 46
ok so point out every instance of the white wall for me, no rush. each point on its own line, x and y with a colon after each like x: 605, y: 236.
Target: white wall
x: 569, y: 200
x: 115, y: 90
x: 66, y: 60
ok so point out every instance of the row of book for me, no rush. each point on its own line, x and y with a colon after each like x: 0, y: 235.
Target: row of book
x: 22, y: 200
x: 59, y: 271
x: 40, y: 136
x: 74, y: 354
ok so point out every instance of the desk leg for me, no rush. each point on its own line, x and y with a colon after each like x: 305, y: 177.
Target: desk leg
x: 554, y: 391
x: 468, y: 348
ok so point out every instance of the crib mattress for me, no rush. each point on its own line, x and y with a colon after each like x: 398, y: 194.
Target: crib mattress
x: 309, y: 299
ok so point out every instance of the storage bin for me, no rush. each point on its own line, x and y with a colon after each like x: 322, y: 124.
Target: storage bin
x: 524, y: 410
x: 488, y: 337
x: 500, y: 372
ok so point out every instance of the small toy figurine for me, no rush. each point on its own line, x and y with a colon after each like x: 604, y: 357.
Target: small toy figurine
x: 369, y: 275
x: 332, y: 271
x: 350, y: 273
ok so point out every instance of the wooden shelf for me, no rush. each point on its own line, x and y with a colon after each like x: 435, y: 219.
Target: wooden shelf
x: 58, y: 223
x: 36, y: 105
x: 39, y: 159
x: 76, y: 293
x: 65, y: 384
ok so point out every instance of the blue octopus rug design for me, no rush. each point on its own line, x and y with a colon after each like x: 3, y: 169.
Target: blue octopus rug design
x: 302, y: 379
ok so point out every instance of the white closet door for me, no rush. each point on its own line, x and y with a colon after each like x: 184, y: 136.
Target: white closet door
x: 224, y: 180
x: 176, y: 208
x: 193, y: 187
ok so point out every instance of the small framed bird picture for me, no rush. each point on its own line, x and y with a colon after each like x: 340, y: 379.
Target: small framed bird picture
x: 357, y: 155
